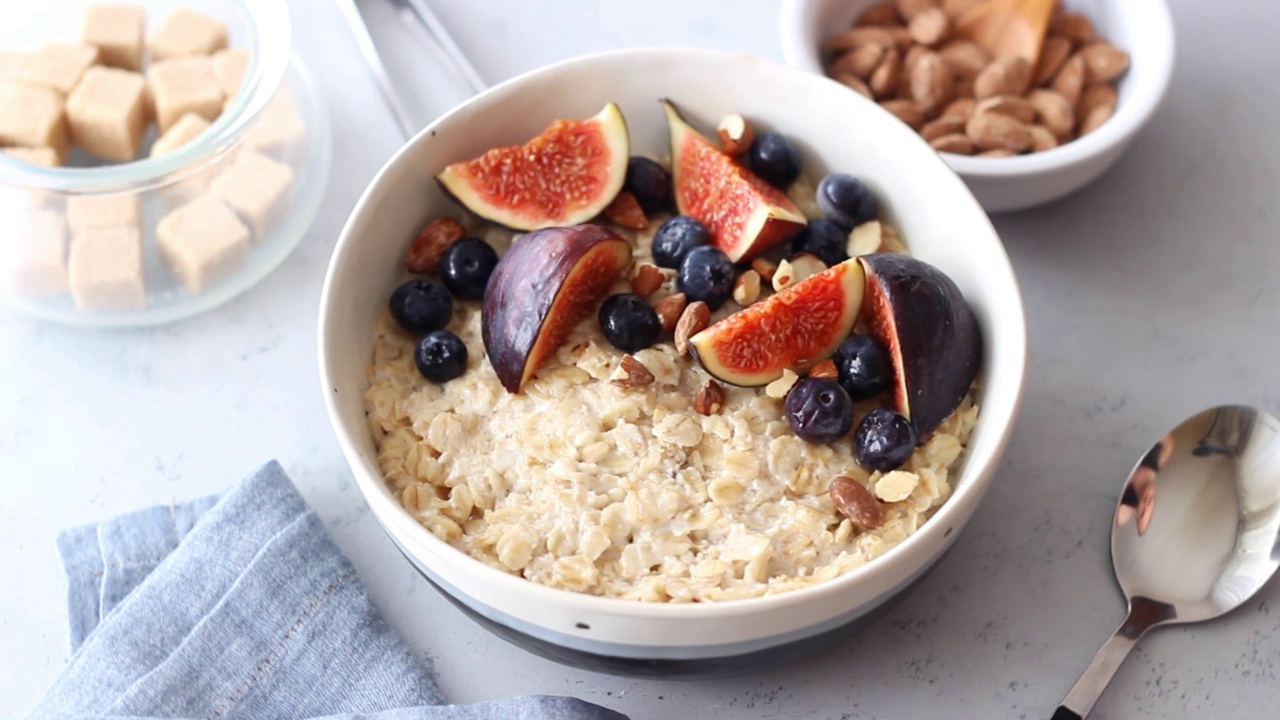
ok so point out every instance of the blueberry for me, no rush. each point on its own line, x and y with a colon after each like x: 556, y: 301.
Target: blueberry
x: 844, y: 199
x: 676, y: 237
x: 466, y: 267
x: 421, y: 306
x: 774, y: 159
x: 628, y: 322
x: 825, y: 239
x: 649, y: 183
x: 863, y: 367
x: 707, y: 275
x: 819, y: 410
x: 440, y: 356
x: 884, y: 440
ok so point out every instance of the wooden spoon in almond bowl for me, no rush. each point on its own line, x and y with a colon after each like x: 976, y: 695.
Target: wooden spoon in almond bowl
x: 1008, y: 28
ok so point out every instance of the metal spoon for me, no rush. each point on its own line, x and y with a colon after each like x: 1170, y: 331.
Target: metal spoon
x: 1196, y: 533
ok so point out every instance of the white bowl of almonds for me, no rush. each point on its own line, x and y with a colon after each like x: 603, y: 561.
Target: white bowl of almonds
x: 1021, y: 132
x: 613, y: 371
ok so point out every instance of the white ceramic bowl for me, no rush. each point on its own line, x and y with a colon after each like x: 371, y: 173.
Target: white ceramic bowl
x: 940, y: 219
x: 1142, y: 27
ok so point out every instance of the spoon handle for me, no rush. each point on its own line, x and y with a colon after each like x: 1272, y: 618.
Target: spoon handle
x: 1143, y: 615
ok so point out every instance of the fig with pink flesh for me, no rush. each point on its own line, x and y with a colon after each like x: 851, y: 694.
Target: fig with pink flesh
x: 933, y: 338
x: 544, y: 285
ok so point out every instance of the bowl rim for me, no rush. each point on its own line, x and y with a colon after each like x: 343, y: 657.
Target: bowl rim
x: 389, y: 512
x: 1130, y: 116
x: 270, y: 41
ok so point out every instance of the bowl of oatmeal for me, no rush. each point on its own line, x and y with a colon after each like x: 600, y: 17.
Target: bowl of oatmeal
x: 563, y: 443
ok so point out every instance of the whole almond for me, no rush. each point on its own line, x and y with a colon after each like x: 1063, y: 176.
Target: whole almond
x: 860, y: 61
x: 746, y: 289
x: 885, y: 78
x: 1055, y: 51
x: 960, y: 108
x: 932, y: 85
x: 1103, y: 62
x: 1012, y: 105
x: 428, y: 248
x: 631, y: 373
x: 1069, y: 82
x: 1097, y: 96
x: 994, y: 131
x: 735, y: 135
x: 1096, y: 116
x: 852, y: 38
x: 913, y: 55
x: 942, y: 126
x: 765, y: 268
x: 854, y: 501
x: 957, y: 143
x: 710, y: 398
x: 1073, y: 26
x: 1005, y: 76
x: 824, y: 369
x: 964, y: 86
x: 957, y: 8
x: 930, y: 26
x: 854, y: 82
x: 1055, y: 112
x: 885, y: 13
x: 965, y: 57
x: 692, y: 321
x: 908, y: 9
x: 906, y: 110
x: 1042, y: 138
x: 625, y: 210
x: 646, y: 279
x: 669, y: 309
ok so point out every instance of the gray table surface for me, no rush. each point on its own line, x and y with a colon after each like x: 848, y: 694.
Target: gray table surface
x: 1150, y: 294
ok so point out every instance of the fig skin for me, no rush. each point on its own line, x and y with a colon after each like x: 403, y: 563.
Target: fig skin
x: 541, y: 288
x: 934, y: 342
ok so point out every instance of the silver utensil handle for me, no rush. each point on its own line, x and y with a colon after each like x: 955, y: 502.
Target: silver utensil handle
x: 373, y: 61
x: 1144, y: 614
x: 436, y: 29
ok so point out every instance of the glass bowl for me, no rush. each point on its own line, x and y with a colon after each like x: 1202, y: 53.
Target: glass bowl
x: 276, y: 119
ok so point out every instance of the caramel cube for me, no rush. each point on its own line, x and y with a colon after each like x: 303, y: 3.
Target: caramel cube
x: 36, y: 156
x: 257, y: 188
x: 116, y: 30
x: 91, y: 212
x: 36, y: 254
x: 229, y: 67
x: 187, y: 32
x: 13, y: 65
x: 202, y: 242
x: 59, y: 66
x: 187, y: 128
x: 104, y: 269
x: 183, y: 85
x: 107, y: 113
x: 33, y: 117
x: 279, y: 128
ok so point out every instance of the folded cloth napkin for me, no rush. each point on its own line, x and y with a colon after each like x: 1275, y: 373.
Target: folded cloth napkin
x: 240, y: 606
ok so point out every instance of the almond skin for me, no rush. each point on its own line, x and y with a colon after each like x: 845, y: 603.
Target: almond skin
x: 1006, y: 76
x: 625, y: 210
x: 930, y: 26
x: 1103, y: 62
x: 932, y: 84
x: 1053, y: 53
x: 1069, y: 82
x: 428, y: 248
x: 646, y: 280
x: 693, y: 320
x: 961, y: 108
x: 860, y: 61
x: 1055, y: 112
x: 993, y: 131
x: 957, y: 143
x: 710, y: 398
x: 965, y: 57
x: 885, y: 78
x: 853, y: 82
x: 1012, y: 105
x: 907, y: 111
x: 853, y: 500
x: 631, y: 373
x: 1073, y: 26
x: 942, y: 126
x: 669, y: 310
x: 885, y: 13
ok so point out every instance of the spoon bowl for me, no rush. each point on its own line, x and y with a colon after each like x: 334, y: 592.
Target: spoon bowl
x: 1196, y: 532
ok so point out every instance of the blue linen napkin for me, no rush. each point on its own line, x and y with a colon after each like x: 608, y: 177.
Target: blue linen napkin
x: 240, y: 606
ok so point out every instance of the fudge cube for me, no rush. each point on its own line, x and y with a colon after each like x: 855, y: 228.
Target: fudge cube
x: 91, y: 212
x: 257, y: 188
x: 107, y: 113
x: 183, y: 85
x: 187, y: 32
x: 59, y: 66
x: 229, y: 67
x: 13, y: 65
x: 104, y: 268
x: 35, y: 254
x: 187, y: 128
x: 33, y: 117
x: 36, y: 156
x: 279, y: 127
x: 202, y: 242
x: 116, y: 30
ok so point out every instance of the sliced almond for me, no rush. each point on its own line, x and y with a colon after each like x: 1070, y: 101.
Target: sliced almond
x: 957, y: 143
x: 942, y: 126
x: 896, y: 486
x: 907, y: 111
x: 965, y: 57
x: 746, y: 289
x: 669, y: 309
x: 646, y: 279
x: 1073, y: 26
x: 993, y: 131
x: 860, y: 61
x: 693, y: 320
x: 930, y: 26
x: 1055, y: 51
x: 1069, y: 82
x: 1054, y: 111
x: 785, y: 276
x: 865, y: 239
x: 854, y: 501
x: 764, y: 267
x: 803, y: 266
x: 1103, y: 62
x: 885, y: 78
x: 428, y: 248
x: 1005, y: 76
x: 852, y: 38
x: 1014, y: 106
x: 735, y: 134
x: 885, y: 13
x: 1042, y: 138
x: 932, y: 84
x: 961, y: 108
x: 631, y: 373
x: 779, y: 388
x: 854, y: 82
x: 710, y: 398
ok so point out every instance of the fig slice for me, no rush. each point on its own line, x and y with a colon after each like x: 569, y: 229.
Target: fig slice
x: 746, y: 215
x: 540, y: 289
x: 933, y: 338
x: 565, y: 176
x: 792, y: 330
